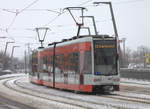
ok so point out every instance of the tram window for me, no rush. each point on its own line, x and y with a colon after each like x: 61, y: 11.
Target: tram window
x: 59, y: 60
x: 48, y: 60
x: 34, y: 62
x: 105, y: 56
x: 87, y: 62
x: 51, y: 60
x: 104, y: 52
x: 82, y: 62
x: 40, y: 65
x: 59, y: 63
x: 74, y: 62
x: 45, y: 60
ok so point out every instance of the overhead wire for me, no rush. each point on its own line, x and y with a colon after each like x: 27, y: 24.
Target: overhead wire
x: 28, y: 6
x: 12, y: 22
x: 64, y: 12
x: 85, y: 2
x: 60, y: 13
x: 18, y: 12
x: 8, y: 10
x: 128, y: 1
x: 25, y: 9
x: 52, y: 20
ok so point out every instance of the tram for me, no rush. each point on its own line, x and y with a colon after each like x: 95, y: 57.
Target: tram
x: 84, y: 64
x: 88, y: 63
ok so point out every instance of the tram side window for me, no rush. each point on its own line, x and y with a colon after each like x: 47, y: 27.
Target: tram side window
x: 59, y: 60
x: 34, y: 64
x: 59, y: 63
x: 45, y: 60
x: 74, y: 62
x: 51, y: 60
x: 87, y: 62
x: 40, y: 65
x: 45, y: 63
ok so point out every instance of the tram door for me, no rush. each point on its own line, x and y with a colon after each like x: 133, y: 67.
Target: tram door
x: 34, y: 63
x: 66, y: 78
x: 66, y: 70
x: 81, y: 68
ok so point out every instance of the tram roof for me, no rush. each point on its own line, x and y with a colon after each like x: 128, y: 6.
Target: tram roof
x: 75, y: 39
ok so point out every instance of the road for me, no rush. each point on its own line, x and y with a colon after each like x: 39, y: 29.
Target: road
x: 9, y: 104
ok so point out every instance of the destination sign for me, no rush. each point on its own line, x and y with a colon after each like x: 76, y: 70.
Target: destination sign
x: 104, y: 46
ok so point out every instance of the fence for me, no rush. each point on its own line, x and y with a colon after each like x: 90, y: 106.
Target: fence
x: 142, y: 74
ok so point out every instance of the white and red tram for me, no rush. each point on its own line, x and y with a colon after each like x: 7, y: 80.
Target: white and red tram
x: 84, y: 64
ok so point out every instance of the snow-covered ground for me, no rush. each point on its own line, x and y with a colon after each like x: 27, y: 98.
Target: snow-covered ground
x: 11, y: 75
x: 58, y: 99
x: 134, y: 81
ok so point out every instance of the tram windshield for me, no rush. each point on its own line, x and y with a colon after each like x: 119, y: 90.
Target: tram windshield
x: 105, y: 57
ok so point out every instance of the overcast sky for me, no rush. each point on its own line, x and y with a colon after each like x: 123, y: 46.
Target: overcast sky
x: 132, y: 18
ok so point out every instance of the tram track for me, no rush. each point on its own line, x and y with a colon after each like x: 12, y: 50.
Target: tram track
x: 144, y: 84
x: 128, y: 98
x: 7, y: 77
x: 5, y: 101
x: 135, y: 88
x: 72, y: 101
x: 114, y: 96
x: 127, y: 95
x: 81, y: 105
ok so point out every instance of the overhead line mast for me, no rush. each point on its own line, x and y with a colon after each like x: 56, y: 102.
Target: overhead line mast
x: 112, y: 15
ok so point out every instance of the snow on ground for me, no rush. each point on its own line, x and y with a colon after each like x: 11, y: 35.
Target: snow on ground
x: 11, y: 75
x: 37, y: 102
x: 135, y: 81
x: 52, y: 104
x: 85, y: 97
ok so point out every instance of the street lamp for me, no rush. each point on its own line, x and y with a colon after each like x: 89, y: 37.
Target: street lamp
x: 6, y: 47
x: 13, y: 50
x: 124, y: 49
x: 112, y: 15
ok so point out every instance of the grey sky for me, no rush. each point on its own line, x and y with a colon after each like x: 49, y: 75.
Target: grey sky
x: 132, y: 18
